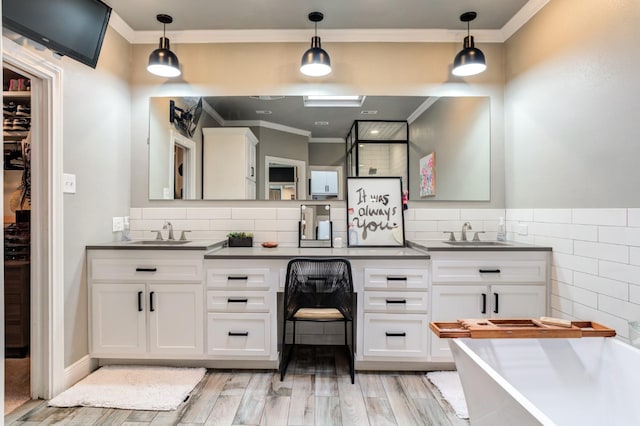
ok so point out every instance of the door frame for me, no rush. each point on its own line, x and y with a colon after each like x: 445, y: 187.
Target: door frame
x: 301, y: 174
x: 47, y: 219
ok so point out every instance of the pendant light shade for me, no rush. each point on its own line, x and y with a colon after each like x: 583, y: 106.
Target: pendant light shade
x: 315, y: 61
x: 162, y: 61
x: 470, y: 60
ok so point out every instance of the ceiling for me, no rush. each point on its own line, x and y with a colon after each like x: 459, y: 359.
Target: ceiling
x: 333, y: 122
x: 140, y: 15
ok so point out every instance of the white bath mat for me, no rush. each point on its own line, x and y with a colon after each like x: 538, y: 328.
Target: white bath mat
x: 132, y: 387
x: 449, y: 385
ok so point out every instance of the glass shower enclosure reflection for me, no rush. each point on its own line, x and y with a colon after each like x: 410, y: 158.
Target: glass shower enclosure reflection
x: 379, y: 148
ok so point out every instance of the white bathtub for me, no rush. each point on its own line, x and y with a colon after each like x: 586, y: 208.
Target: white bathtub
x: 587, y: 381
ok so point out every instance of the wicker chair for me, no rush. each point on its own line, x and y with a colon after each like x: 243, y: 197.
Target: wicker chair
x: 319, y: 290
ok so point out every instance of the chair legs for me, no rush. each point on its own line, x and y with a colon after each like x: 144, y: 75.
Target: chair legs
x: 286, y: 355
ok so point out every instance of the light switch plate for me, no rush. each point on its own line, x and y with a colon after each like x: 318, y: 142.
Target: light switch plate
x: 68, y: 183
x: 523, y: 229
x: 118, y: 224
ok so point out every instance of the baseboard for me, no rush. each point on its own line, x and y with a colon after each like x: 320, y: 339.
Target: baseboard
x: 79, y: 370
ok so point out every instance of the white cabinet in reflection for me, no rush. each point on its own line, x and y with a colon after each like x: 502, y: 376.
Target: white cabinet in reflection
x: 324, y: 182
x: 229, y: 163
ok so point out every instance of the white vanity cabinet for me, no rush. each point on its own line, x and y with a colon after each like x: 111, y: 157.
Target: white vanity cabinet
x: 241, y: 309
x: 395, y: 307
x: 229, y: 163
x: 481, y: 284
x: 145, y: 303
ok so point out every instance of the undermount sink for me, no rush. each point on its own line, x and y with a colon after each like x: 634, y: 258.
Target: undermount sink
x: 161, y: 242
x: 476, y: 243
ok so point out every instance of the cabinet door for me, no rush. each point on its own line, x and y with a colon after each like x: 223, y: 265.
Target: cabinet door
x: 453, y: 302
x: 176, y: 319
x: 118, y: 313
x: 251, y: 160
x: 517, y: 301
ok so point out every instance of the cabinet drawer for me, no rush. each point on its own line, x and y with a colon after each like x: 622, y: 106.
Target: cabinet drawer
x: 239, y: 301
x: 395, y: 335
x: 145, y: 269
x: 388, y: 301
x: 238, y: 335
x: 232, y: 278
x: 396, y: 279
x: 489, y: 271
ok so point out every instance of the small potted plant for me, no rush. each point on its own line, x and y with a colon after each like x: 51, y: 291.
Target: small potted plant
x: 240, y: 239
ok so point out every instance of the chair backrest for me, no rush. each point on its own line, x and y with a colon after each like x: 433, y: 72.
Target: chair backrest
x: 318, y: 283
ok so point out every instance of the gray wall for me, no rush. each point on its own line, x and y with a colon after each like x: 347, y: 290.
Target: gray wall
x: 571, y: 107
x: 327, y: 154
x: 458, y: 131
x: 96, y: 148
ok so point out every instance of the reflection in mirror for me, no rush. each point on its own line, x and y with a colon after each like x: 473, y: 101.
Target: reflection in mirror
x: 315, y: 227
x: 313, y: 139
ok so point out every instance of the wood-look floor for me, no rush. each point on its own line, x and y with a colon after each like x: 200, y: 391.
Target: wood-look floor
x: 316, y: 390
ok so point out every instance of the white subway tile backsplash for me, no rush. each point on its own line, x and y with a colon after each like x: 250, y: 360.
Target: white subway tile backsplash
x: 292, y: 213
x: 561, y: 304
x: 612, y: 252
x: 620, y: 272
x: 232, y: 225
x: 481, y: 214
x: 558, y: 245
x: 519, y: 215
x: 562, y: 274
x: 164, y: 213
x: 253, y: 213
x: 135, y: 213
x: 552, y: 215
x: 576, y: 294
x: 576, y: 263
x: 209, y: 213
x: 619, y: 308
x: 619, y: 235
x: 145, y: 225
x: 634, y: 295
x: 601, y: 285
x: 634, y: 255
x: 633, y: 217
x: 437, y: 214
x: 610, y: 217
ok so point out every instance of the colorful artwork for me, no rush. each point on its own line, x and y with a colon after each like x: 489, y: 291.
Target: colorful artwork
x: 428, y: 175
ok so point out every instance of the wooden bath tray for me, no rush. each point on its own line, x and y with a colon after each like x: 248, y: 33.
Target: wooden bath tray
x: 504, y: 328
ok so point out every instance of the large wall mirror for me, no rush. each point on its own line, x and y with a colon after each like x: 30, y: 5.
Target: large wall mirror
x: 293, y: 147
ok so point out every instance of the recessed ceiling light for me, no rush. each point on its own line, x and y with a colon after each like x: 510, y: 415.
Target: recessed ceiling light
x: 263, y: 112
x: 373, y: 112
x: 321, y: 123
x: 375, y: 132
x: 267, y: 98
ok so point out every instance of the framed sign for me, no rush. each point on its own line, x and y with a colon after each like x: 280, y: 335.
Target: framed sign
x: 374, y: 212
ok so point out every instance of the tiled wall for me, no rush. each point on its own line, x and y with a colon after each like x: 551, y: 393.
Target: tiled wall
x: 595, y: 271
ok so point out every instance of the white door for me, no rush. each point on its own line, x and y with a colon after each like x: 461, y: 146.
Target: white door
x: 517, y: 301
x: 118, y: 319
x: 453, y: 302
x: 175, y: 319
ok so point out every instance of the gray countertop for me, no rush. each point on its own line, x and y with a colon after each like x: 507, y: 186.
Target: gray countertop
x: 203, y: 245
x: 290, y: 252
x: 435, y: 245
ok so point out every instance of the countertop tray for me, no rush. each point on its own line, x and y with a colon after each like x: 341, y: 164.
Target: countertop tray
x: 517, y: 328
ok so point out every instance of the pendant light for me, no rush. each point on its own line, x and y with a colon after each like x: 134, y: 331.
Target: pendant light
x: 315, y: 61
x: 469, y: 61
x: 162, y: 61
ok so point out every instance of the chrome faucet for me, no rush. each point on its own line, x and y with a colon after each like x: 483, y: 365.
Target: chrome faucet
x: 465, y: 227
x: 169, y: 226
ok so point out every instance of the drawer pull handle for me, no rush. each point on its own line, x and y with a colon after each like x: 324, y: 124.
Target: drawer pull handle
x: 149, y: 269
x: 396, y: 278
x: 238, y: 277
x: 151, y: 308
x: 237, y: 300
x: 484, y: 303
x: 395, y: 334
x: 495, y: 306
x: 139, y: 301
x: 238, y: 333
x: 403, y: 301
x: 489, y: 271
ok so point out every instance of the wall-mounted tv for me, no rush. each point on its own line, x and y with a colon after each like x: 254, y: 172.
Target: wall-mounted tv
x: 74, y: 28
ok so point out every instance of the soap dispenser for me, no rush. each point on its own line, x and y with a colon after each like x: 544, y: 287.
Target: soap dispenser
x: 502, y: 232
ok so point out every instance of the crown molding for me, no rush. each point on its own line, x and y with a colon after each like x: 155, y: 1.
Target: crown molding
x: 522, y: 17
x: 332, y: 36
x: 327, y: 140
x: 422, y: 108
x: 268, y: 125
